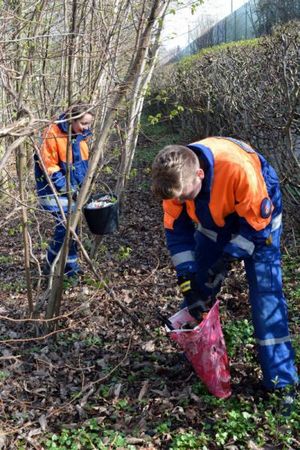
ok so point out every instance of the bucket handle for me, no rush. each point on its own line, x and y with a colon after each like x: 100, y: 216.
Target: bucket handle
x: 108, y: 188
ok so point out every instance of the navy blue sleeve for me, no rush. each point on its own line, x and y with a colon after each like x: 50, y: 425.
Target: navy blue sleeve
x: 181, y: 243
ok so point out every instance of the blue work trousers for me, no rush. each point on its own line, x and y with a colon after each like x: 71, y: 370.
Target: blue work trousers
x: 55, y: 245
x: 268, y: 305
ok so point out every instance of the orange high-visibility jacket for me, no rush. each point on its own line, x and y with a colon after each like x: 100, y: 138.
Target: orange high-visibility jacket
x: 54, y: 149
x: 240, y: 194
x: 54, y: 156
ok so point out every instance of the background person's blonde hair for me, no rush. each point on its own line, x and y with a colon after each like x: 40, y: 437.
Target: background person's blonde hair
x: 173, y: 167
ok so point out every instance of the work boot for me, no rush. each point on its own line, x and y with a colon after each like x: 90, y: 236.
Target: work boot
x: 75, y: 272
x: 286, y: 397
x: 79, y: 272
x: 288, y: 402
x: 46, y: 269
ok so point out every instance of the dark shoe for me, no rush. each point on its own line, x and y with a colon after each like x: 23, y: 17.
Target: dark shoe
x: 79, y: 272
x: 288, y: 402
x: 74, y: 273
x: 284, y: 400
x: 46, y: 269
x: 287, y: 405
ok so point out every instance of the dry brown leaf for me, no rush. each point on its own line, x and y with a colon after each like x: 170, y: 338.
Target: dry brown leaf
x: 143, y: 390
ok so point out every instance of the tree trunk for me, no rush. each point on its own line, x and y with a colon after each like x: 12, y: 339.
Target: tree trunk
x: 21, y: 163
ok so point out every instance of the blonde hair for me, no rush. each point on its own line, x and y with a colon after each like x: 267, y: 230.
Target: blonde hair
x: 172, y: 168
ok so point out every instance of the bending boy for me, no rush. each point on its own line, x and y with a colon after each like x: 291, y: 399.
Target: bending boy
x: 222, y: 201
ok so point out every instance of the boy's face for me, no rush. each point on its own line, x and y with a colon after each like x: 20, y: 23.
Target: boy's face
x: 192, y: 188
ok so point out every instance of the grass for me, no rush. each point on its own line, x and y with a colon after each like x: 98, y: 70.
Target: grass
x: 235, y: 422
x: 89, y: 437
x: 157, y: 136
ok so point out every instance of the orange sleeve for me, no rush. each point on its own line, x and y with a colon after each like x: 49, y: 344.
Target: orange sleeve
x: 84, y: 150
x: 172, y: 211
x: 49, y: 152
x: 250, y: 191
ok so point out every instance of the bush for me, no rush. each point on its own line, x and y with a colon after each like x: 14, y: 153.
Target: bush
x: 247, y: 90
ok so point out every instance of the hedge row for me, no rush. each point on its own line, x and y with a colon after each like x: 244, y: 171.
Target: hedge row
x: 248, y: 90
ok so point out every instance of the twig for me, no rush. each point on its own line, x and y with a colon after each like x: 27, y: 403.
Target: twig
x: 36, y: 320
x: 93, y: 383
x: 39, y: 338
x: 15, y: 430
x: 4, y: 358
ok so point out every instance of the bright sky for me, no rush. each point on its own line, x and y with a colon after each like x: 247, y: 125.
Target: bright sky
x: 180, y: 25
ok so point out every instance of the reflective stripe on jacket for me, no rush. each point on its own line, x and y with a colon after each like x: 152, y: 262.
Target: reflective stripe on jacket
x: 230, y: 208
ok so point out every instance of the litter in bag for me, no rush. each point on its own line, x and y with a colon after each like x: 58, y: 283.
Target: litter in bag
x: 102, y: 214
x: 103, y: 202
x: 205, y: 348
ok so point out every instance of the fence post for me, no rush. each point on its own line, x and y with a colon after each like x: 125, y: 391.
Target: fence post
x: 246, y: 21
x: 235, y: 25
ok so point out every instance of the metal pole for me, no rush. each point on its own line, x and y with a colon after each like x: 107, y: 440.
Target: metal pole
x: 246, y: 21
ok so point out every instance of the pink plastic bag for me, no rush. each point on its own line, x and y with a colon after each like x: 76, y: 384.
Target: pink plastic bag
x: 205, y: 348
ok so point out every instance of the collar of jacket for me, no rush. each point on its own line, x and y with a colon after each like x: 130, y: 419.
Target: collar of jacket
x: 63, y: 126
x: 205, y: 154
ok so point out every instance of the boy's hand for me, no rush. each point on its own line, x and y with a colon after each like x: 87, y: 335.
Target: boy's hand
x: 194, y: 299
x: 218, y: 272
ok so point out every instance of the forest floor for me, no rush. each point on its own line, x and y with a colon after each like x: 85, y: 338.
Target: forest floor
x: 105, y: 381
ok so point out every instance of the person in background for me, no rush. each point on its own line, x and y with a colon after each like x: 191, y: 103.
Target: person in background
x: 54, y: 156
x: 221, y: 202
